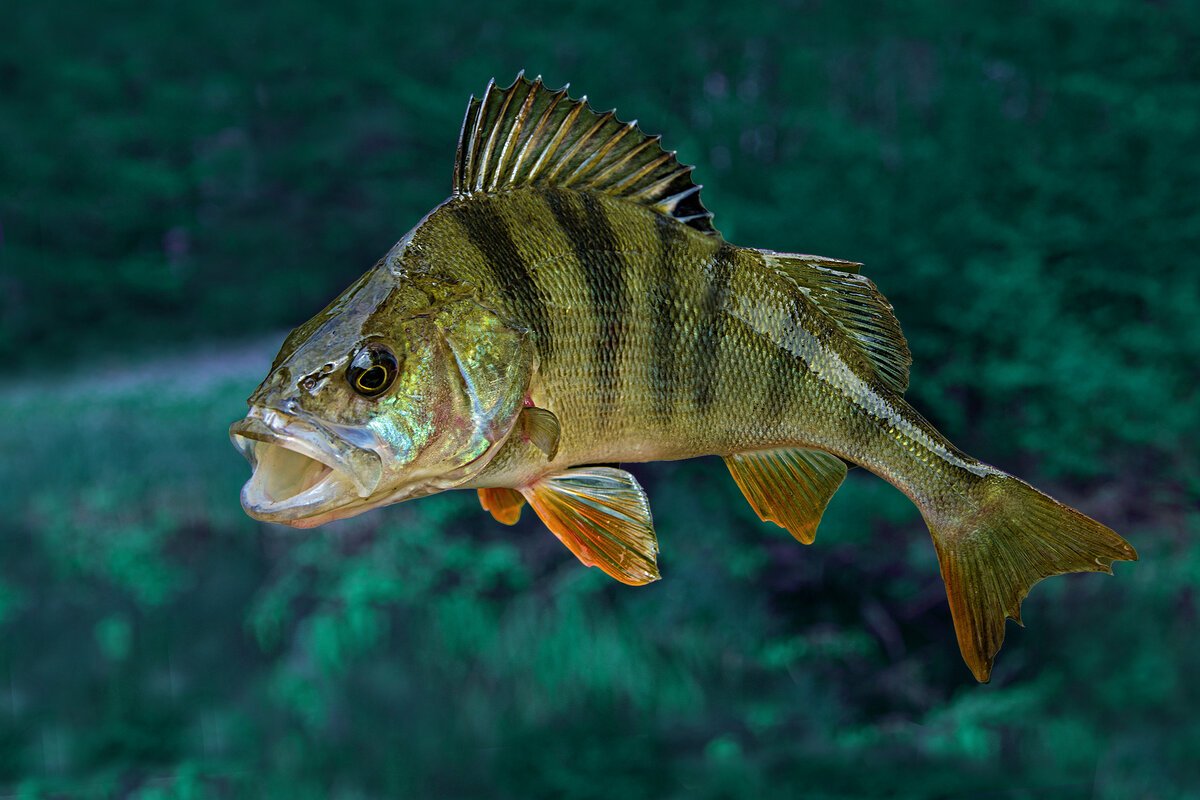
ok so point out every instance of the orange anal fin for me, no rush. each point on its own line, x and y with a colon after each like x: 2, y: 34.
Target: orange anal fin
x: 601, y: 514
x: 504, y: 504
x: 789, y: 487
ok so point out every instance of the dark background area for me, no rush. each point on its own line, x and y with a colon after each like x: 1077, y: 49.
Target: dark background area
x: 182, y: 182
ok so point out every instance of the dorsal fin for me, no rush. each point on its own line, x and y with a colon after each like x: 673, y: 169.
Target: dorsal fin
x: 855, y: 305
x: 528, y: 135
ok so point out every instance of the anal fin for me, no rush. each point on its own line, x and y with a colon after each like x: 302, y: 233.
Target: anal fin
x: 602, y: 515
x: 789, y: 487
x: 503, y: 504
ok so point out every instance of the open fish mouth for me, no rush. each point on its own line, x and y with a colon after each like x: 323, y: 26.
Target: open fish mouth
x: 301, y: 474
x: 282, y: 474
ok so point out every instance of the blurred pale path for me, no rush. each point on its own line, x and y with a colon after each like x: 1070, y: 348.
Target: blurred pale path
x: 188, y: 372
x: 179, y: 183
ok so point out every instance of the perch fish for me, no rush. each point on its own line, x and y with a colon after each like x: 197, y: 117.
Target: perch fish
x: 570, y: 307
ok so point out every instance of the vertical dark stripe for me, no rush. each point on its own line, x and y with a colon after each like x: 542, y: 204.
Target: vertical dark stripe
x: 664, y: 298
x: 487, y: 231
x: 588, y: 230
x: 706, y: 360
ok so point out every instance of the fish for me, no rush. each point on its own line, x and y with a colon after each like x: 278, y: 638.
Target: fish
x: 569, y: 309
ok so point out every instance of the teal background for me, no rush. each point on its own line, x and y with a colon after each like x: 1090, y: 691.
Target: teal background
x: 182, y: 182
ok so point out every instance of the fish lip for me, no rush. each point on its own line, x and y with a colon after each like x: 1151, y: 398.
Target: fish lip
x: 357, y: 469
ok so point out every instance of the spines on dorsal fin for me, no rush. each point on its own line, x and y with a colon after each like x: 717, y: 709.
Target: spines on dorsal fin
x: 855, y: 305
x: 528, y: 135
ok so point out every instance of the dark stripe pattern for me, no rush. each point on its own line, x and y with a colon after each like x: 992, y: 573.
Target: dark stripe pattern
x: 587, y: 228
x: 706, y: 360
x: 663, y: 307
x: 488, y: 232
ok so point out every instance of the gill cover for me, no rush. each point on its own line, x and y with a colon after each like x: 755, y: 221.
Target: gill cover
x: 494, y: 361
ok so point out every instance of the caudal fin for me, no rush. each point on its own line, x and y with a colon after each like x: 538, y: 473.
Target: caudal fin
x: 1001, y: 544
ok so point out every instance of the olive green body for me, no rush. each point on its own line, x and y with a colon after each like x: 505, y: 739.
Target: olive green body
x: 656, y: 342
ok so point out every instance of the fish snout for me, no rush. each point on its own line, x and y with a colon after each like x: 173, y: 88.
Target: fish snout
x: 299, y: 469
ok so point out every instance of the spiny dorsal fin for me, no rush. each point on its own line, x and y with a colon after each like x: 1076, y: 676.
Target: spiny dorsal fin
x: 855, y: 305
x: 528, y: 135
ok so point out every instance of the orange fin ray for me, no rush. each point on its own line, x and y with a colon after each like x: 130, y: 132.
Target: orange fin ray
x: 789, y: 487
x: 503, y: 504
x: 602, y: 515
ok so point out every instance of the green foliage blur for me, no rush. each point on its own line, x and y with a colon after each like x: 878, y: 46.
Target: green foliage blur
x: 181, y: 182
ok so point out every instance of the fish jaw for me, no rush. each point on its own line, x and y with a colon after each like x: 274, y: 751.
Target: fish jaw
x: 302, y: 476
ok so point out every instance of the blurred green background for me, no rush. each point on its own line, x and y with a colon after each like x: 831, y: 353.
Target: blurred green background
x: 182, y: 182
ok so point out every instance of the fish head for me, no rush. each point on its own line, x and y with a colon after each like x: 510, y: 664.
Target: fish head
x: 400, y: 388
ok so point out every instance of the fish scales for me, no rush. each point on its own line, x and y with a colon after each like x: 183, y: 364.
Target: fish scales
x: 570, y: 305
x: 738, y: 330
x: 622, y: 352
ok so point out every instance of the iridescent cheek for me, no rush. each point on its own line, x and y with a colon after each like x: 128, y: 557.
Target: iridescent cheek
x: 400, y: 436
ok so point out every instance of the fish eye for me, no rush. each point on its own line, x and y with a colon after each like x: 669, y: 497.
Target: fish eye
x: 372, y: 370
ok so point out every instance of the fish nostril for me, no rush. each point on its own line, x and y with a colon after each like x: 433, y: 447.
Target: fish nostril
x: 291, y: 405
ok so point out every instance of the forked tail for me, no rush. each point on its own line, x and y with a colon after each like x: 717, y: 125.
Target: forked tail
x: 999, y: 542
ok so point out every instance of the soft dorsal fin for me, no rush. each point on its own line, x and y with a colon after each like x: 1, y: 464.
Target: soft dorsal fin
x: 529, y: 135
x: 855, y: 305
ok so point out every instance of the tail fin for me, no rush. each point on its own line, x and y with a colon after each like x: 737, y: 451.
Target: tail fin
x: 999, y: 547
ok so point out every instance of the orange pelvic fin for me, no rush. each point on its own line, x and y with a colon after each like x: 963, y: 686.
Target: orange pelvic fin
x: 504, y: 504
x: 601, y: 514
x: 789, y: 487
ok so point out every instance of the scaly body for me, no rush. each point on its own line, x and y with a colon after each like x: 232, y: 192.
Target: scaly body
x: 571, y: 305
x: 655, y: 342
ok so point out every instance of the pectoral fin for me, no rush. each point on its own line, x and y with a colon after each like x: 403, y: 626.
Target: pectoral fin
x: 541, y: 428
x: 601, y: 514
x: 789, y: 487
x: 504, y: 504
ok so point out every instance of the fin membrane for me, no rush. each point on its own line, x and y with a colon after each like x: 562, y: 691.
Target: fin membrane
x: 503, y: 504
x: 789, y: 487
x: 528, y: 135
x: 1011, y: 538
x: 601, y: 514
x: 542, y: 429
x: 857, y: 307
x: 785, y: 261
